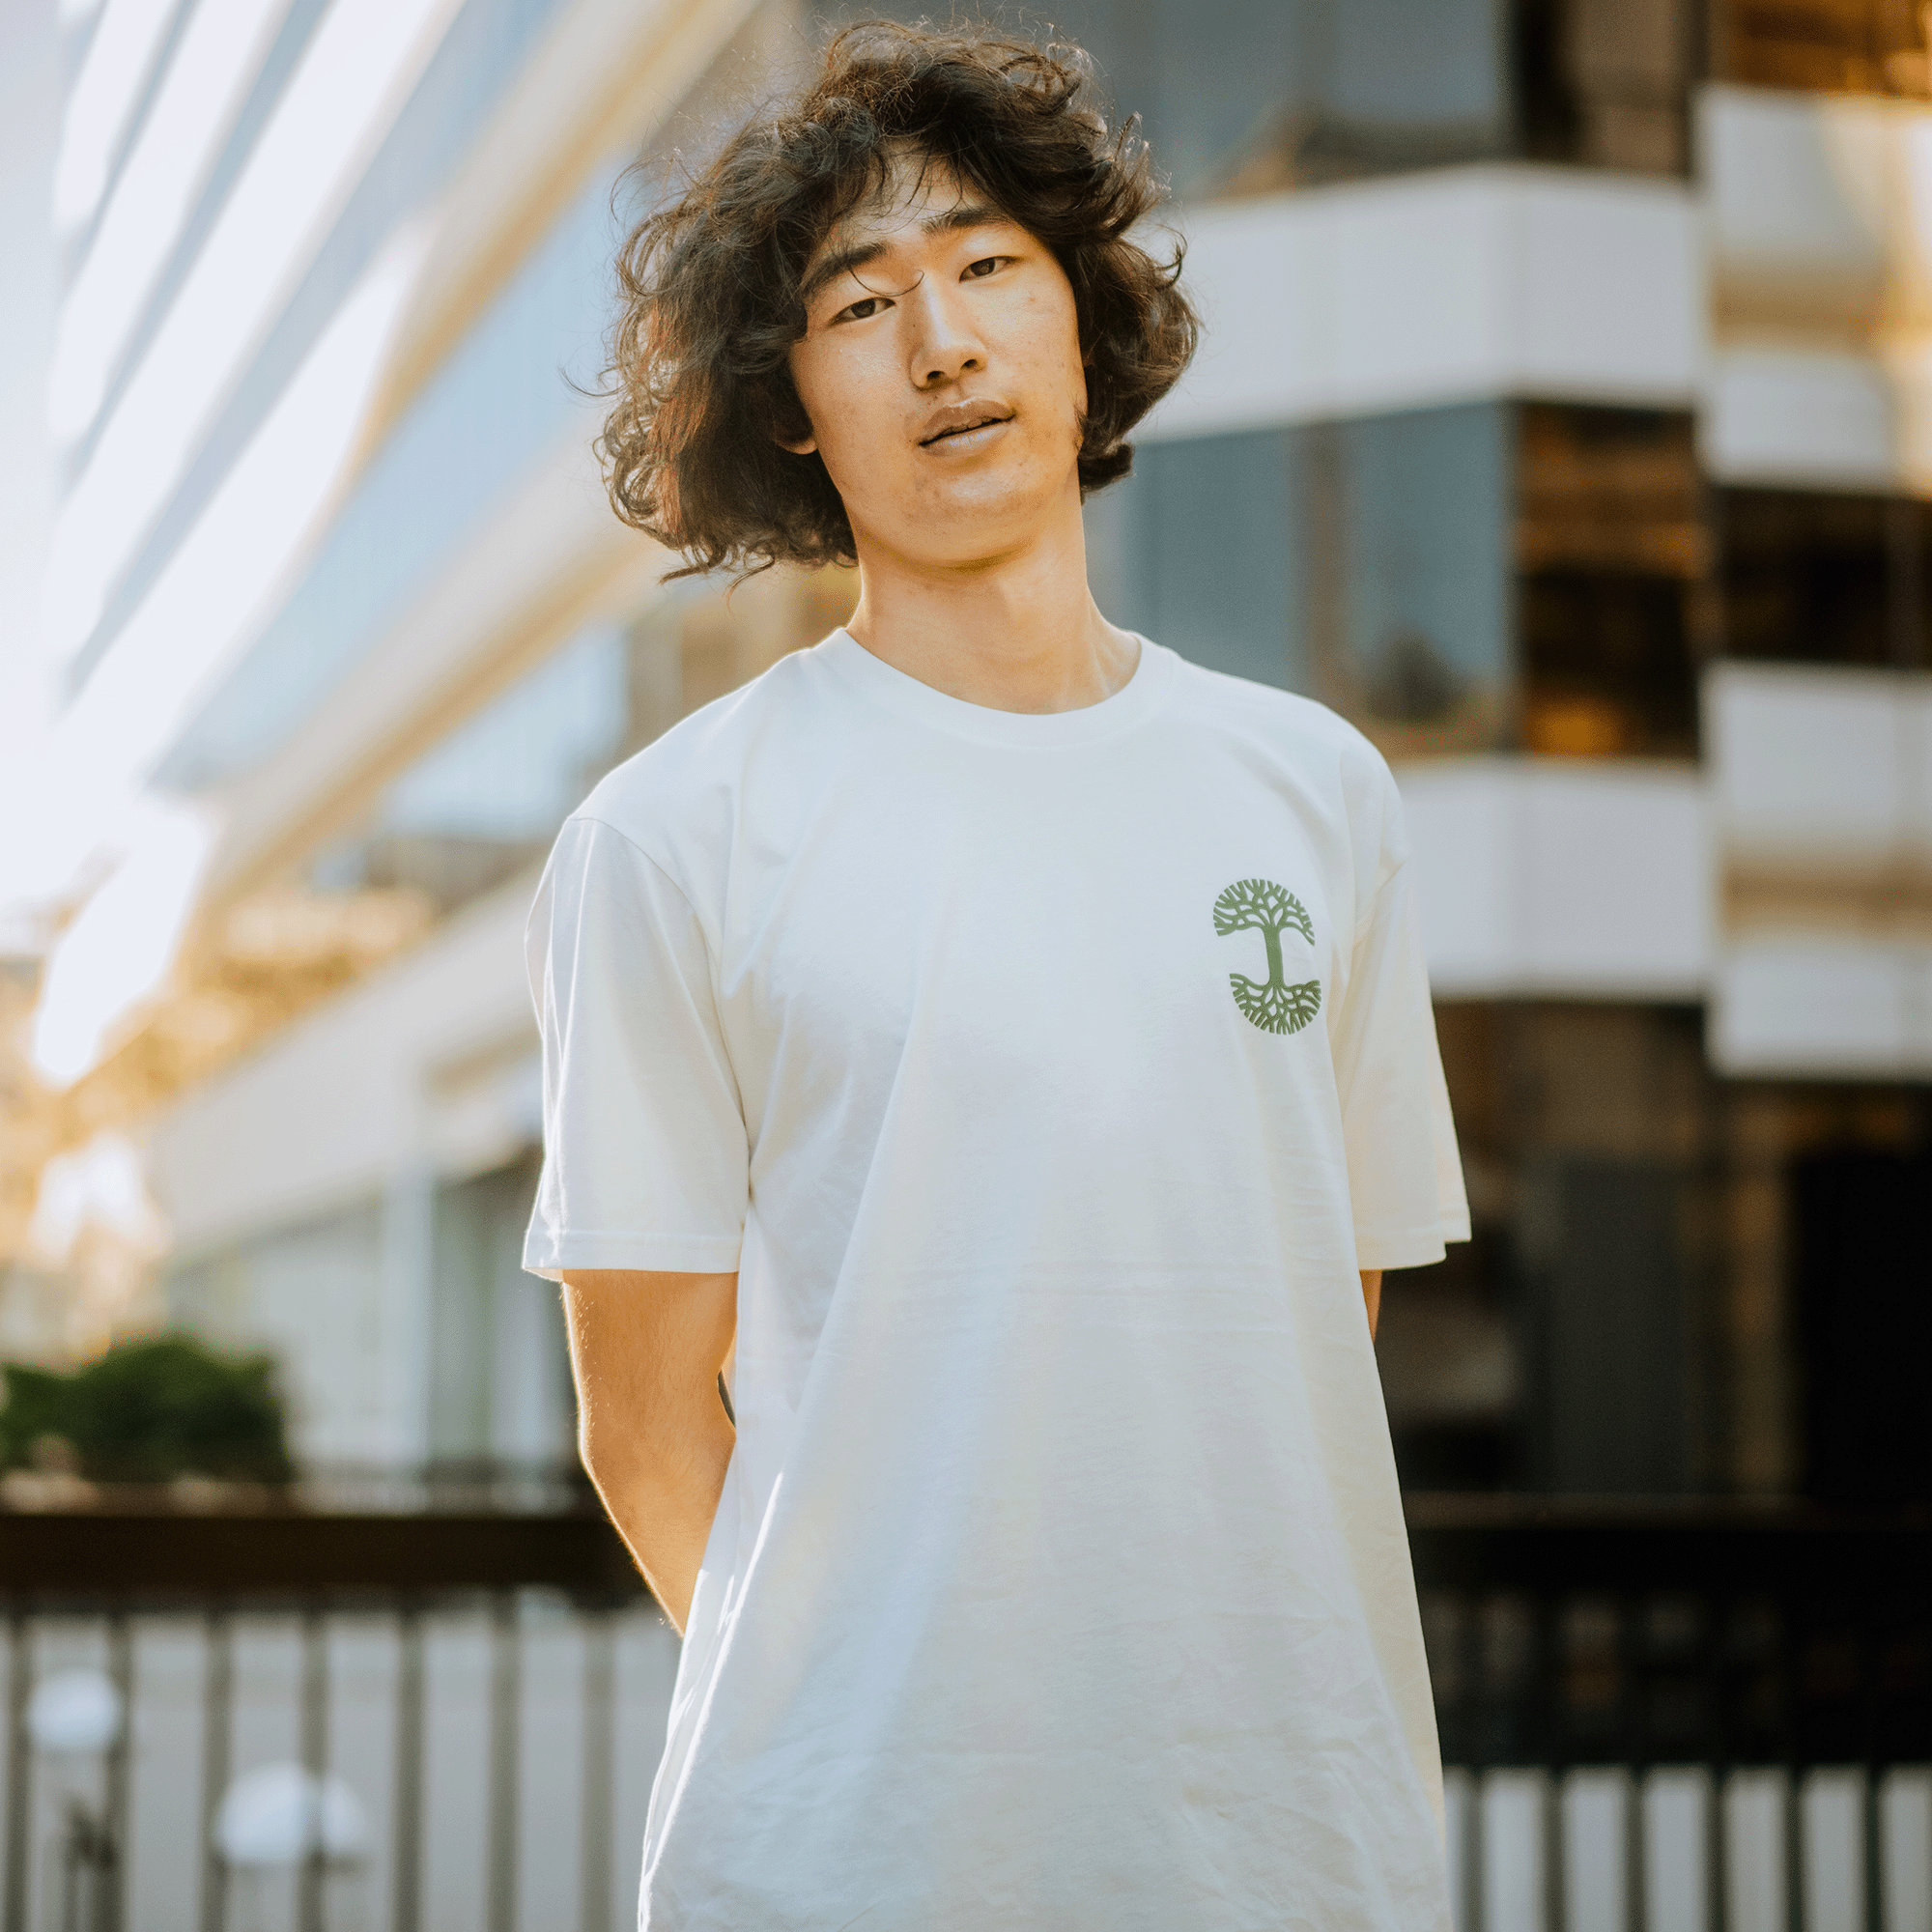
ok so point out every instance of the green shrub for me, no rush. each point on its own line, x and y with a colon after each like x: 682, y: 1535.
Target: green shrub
x: 148, y: 1411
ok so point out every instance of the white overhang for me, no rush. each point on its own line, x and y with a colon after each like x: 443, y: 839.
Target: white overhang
x: 1441, y: 287
x: 1545, y: 878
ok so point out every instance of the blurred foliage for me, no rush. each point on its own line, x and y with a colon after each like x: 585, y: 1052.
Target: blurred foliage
x: 148, y: 1412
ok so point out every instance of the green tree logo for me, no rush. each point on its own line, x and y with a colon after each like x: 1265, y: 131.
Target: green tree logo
x: 1261, y: 906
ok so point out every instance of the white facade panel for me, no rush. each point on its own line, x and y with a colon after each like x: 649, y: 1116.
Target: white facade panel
x: 1464, y: 830
x: 1618, y: 873
x: 1539, y: 878
x: 1818, y: 225
x: 1440, y: 287
x: 1802, y: 416
x: 1795, y: 191
x: 1822, y: 1008
x: 1609, y: 299
x: 1813, y: 766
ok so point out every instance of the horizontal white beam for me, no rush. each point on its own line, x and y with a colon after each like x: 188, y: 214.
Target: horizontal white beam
x: 1546, y: 878
x: 1815, y: 768
x: 1820, y: 262
x: 1440, y: 287
x: 1813, y: 1006
x: 336, y: 1107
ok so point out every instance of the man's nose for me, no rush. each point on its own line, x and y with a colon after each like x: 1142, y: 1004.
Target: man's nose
x: 946, y: 347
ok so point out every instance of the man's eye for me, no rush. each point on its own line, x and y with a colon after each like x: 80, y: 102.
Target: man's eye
x: 986, y: 268
x: 859, y: 311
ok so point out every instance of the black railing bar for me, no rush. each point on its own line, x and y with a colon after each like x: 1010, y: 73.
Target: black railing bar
x: 409, y: 1791
x: 1475, y: 1887
x: 19, y: 1766
x: 1874, y: 1848
x: 1712, y: 1639
x: 1470, y: 1643
x: 1555, y: 1851
x: 600, y: 1767
x: 1794, y: 1794
x: 1630, y: 1686
x: 118, y: 1837
x: 1868, y: 1648
x: 1794, y: 1848
x: 1717, y: 1851
x: 1636, y: 1850
x: 1548, y: 1626
x: 506, y: 1692
x: 312, y: 1911
x: 217, y: 1715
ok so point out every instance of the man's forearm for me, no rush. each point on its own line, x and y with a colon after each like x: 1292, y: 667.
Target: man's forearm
x: 645, y: 1349
x: 663, y: 1508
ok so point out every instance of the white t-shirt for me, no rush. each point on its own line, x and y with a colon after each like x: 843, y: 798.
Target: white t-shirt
x: 1047, y: 1079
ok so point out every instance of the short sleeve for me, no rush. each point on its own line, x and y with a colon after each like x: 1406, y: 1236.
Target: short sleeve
x: 645, y: 1149
x: 1405, y: 1175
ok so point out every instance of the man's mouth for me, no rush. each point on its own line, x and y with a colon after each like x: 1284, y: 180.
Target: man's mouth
x: 965, y: 424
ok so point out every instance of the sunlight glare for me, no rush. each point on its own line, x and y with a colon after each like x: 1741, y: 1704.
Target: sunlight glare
x: 351, y: 83
x: 205, y: 84
x: 104, y: 96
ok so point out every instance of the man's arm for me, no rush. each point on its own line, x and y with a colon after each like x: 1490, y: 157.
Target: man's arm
x: 646, y: 1351
x: 1371, y: 1294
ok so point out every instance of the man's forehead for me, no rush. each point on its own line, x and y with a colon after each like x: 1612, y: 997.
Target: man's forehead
x: 917, y: 194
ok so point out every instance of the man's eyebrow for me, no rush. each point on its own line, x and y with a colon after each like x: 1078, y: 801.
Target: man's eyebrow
x: 968, y: 215
x: 842, y: 261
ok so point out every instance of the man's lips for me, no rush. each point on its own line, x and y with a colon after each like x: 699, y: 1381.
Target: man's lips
x: 963, y: 421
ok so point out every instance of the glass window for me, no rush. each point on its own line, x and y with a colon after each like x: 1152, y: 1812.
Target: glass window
x: 1606, y: 82
x: 1610, y: 552
x: 1406, y: 529
x: 1243, y: 96
x: 500, y: 1367
x: 1194, y: 549
x: 1820, y: 576
x: 1364, y: 562
x: 1449, y: 580
x: 1836, y: 46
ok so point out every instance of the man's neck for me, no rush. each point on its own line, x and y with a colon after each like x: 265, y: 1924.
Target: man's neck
x: 1019, y: 630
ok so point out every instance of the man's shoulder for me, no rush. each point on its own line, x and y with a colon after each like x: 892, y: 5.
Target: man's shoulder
x: 1300, y: 729
x: 687, y: 776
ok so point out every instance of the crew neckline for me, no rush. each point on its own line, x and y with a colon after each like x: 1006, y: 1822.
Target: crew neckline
x: 1136, y: 701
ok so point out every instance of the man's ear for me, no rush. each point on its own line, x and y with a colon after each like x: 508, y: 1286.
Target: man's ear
x: 782, y: 412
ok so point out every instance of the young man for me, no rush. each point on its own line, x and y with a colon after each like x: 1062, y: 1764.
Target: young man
x: 1006, y: 1044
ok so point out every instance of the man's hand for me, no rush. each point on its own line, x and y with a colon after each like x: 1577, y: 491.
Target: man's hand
x: 646, y: 1351
x: 1372, y: 1297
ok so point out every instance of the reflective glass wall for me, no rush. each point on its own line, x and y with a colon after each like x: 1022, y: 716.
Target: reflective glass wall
x: 1332, y: 89
x: 1489, y: 576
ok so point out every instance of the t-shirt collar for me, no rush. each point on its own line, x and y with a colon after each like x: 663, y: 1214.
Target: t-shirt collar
x: 1136, y: 701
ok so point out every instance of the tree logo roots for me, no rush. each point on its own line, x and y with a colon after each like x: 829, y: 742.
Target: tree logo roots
x: 1259, y: 905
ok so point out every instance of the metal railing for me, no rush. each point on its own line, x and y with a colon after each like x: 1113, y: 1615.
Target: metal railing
x: 222, y: 1723
x: 1700, y: 1720
x: 1720, y: 1711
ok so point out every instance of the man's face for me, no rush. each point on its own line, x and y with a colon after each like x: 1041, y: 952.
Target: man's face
x: 941, y: 370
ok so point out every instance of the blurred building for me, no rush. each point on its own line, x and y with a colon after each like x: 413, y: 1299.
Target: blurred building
x: 1565, y: 419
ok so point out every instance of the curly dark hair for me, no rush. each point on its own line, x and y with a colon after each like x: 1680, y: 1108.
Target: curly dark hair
x: 711, y: 282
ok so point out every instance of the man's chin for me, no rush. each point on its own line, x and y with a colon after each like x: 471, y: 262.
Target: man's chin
x: 964, y: 540
x: 986, y: 511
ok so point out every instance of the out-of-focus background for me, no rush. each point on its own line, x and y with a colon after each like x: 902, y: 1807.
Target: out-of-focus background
x: 1564, y: 419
